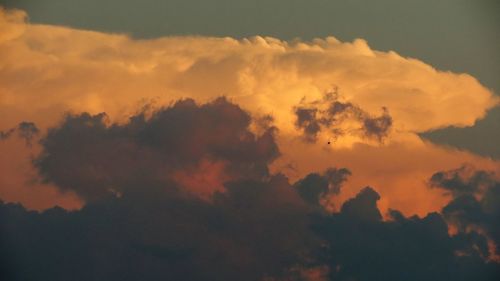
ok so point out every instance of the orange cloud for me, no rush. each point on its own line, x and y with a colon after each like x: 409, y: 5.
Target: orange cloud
x: 399, y: 171
x: 46, y: 71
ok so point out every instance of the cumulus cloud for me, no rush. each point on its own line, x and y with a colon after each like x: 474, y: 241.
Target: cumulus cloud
x: 254, y: 230
x: 150, y: 234
x: 228, y: 218
x: 198, y: 146
x: 142, y: 221
x: 315, y: 187
x: 47, y: 71
x: 476, y: 202
x: 363, y: 247
x: 195, y: 186
x: 91, y: 71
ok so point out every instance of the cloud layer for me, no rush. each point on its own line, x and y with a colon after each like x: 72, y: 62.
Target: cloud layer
x: 84, y: 70
x: 185, y: 192
x: 48, y: 71
x: 252, y: 229
x: 228, y: 217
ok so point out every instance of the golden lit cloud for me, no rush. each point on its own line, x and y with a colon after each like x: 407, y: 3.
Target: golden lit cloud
x: 46, y: 71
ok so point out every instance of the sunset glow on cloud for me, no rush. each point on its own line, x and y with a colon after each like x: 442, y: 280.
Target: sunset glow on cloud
x: 87, y: 116
x: 70, y: 70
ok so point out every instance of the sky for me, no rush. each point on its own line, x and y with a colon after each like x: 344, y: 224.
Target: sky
x: 249, y: 140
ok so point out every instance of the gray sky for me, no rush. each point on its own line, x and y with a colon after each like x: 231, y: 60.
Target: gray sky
x: 455, y: 35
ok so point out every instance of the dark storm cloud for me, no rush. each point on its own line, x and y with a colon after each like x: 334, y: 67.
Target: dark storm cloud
x: 363, y: 247
x: 476, y: 200
x: 25, y: 130
x: 255, y: 230
x: 137, y: 225
x: 464, y: 180
x: 363, y: 206
x: 315, y: 186
x: 95, y: 159
x: 312, y: 118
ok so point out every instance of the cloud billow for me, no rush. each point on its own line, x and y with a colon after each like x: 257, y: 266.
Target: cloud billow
x: 145, y: 220
x: 314, y: 187
x: 72, y: 70
x: 198, y: 146
x: 255, y: 230
x: 191, y: 190
x: 475, y: 206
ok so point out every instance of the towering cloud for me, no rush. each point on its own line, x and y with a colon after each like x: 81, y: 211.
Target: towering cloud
x: 382, y: 101
x: 227, y: 217
x: 91, y: 71
x: 197, y: 146
x: 211, y: 178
